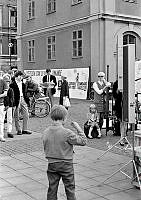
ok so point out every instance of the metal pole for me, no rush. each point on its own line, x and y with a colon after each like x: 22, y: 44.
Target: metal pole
x: 107, y: 103
x: 10, y: 57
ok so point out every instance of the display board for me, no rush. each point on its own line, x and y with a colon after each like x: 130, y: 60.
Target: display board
x: 76, y: 77
x: 138, y: 78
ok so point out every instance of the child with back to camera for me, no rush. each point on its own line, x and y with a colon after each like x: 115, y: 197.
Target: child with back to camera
x: 58, y: 144
x: 93, y: 120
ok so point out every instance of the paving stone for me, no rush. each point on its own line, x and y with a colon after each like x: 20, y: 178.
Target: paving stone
x: 7, y: 191
x: 23, y: 164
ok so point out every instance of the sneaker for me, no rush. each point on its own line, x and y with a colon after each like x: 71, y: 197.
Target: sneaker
x: 10, y: 135
x: 99, y: 136
x: 89, y: 136
x: 2, y: 139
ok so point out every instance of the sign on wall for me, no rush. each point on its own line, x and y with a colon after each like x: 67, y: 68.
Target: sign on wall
x: 76, y: 77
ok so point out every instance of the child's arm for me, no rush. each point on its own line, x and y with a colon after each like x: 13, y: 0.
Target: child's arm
x: 88, y: 116
x: 79, y: 138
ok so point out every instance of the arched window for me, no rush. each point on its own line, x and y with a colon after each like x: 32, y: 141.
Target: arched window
x: 129, y: 39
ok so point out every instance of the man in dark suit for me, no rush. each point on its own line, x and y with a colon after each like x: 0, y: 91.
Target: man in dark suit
x: 51, y: 83
x: 20, y: 103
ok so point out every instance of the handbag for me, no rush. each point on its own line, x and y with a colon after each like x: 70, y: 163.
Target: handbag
x: 66, y: 102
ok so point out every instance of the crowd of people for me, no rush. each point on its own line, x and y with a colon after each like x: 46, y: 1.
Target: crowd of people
x: 14, y: 100
x: 15, y: 97
x: 16, y: 92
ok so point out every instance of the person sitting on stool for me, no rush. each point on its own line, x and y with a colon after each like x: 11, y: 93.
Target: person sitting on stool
x: 93, y: 120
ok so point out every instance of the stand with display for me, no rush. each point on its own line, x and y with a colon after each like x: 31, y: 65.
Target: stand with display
x: 123, y: 139
x: 127, y: 79
x: 137, y: 183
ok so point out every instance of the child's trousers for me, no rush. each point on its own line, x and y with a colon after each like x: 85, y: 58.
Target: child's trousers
x: 55, y: 172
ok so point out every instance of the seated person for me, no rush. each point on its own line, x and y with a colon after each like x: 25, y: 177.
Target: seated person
x: 93, y: 120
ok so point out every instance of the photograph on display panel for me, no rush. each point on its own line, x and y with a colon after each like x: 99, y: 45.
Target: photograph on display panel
x: 76, y: 77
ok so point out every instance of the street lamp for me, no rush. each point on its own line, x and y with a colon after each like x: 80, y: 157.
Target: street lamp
x: 10, y: 45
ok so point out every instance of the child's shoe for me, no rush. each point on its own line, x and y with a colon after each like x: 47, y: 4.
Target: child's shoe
x: 99, y: 134
x: 2, y: 139
x: 89, y: 136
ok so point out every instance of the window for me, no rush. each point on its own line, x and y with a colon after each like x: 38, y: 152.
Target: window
x: 76, y: 2
x: 0, y: 46
x: 31, y: 9
x: 129, y: 39
x: 51, y: 6
x: 14, y: 46
x: 13, y: 18
x: 31, y: 51
x: 77, y: 43
x: 0, y: 16
x: 51, y: 47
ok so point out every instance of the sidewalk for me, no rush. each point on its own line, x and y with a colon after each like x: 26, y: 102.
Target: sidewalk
x: 23, y: 165
x: 23, y: 177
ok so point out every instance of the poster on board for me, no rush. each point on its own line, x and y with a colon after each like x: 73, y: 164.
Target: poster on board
x: 76, y: 77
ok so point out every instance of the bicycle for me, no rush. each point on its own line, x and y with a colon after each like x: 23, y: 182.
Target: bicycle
x: 39, y: 107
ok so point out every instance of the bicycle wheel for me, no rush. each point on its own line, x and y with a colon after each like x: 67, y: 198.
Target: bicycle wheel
x: 91, y: 95
x: 42, y: 108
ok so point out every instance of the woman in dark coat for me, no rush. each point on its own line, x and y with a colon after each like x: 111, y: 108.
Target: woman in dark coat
x: 64, y: 92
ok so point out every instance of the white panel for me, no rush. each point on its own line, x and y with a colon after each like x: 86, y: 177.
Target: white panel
x: 131, y: 82
x: 120, y: 68
x: 0, y: 16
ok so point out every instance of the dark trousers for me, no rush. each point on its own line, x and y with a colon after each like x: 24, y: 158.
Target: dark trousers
x: 48, y: 93
x: 55, y: 172
x: 101, y: 119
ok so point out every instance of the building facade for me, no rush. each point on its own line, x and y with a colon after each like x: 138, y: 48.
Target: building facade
x: 8, y: 33
x: 77, y: 33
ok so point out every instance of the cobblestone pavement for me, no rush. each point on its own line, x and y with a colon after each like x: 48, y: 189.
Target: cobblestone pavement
x: 31, y: 143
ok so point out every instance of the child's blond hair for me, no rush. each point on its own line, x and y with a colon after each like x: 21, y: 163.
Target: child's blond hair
x: 92, y: 106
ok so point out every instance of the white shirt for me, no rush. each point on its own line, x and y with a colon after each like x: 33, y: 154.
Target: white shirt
x: 20, y: 87
x: 48, y: 78
x: 95, y: 87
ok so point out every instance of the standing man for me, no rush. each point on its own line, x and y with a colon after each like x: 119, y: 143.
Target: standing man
x: 20, y: 103
x: 64, y: 92
x: 3, y: 93
x: 50, y: 89
x: 99, y: 95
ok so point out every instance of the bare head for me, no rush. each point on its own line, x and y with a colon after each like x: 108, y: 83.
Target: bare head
x: 58, y: 112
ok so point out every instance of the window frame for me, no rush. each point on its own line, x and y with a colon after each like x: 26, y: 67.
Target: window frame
x: 13, y: 19
x: 14, y: 47
x: 52, y: 7
x: 77, y: 41
x: 130, y: 1
x: 51, y: 47
x: 128, y: 36
x: 75, y: 2
x: 31, y: 50
x: 31, y: 9
x: 1, y: 15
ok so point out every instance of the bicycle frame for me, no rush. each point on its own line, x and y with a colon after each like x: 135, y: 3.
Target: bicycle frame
x: 39, y: 107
